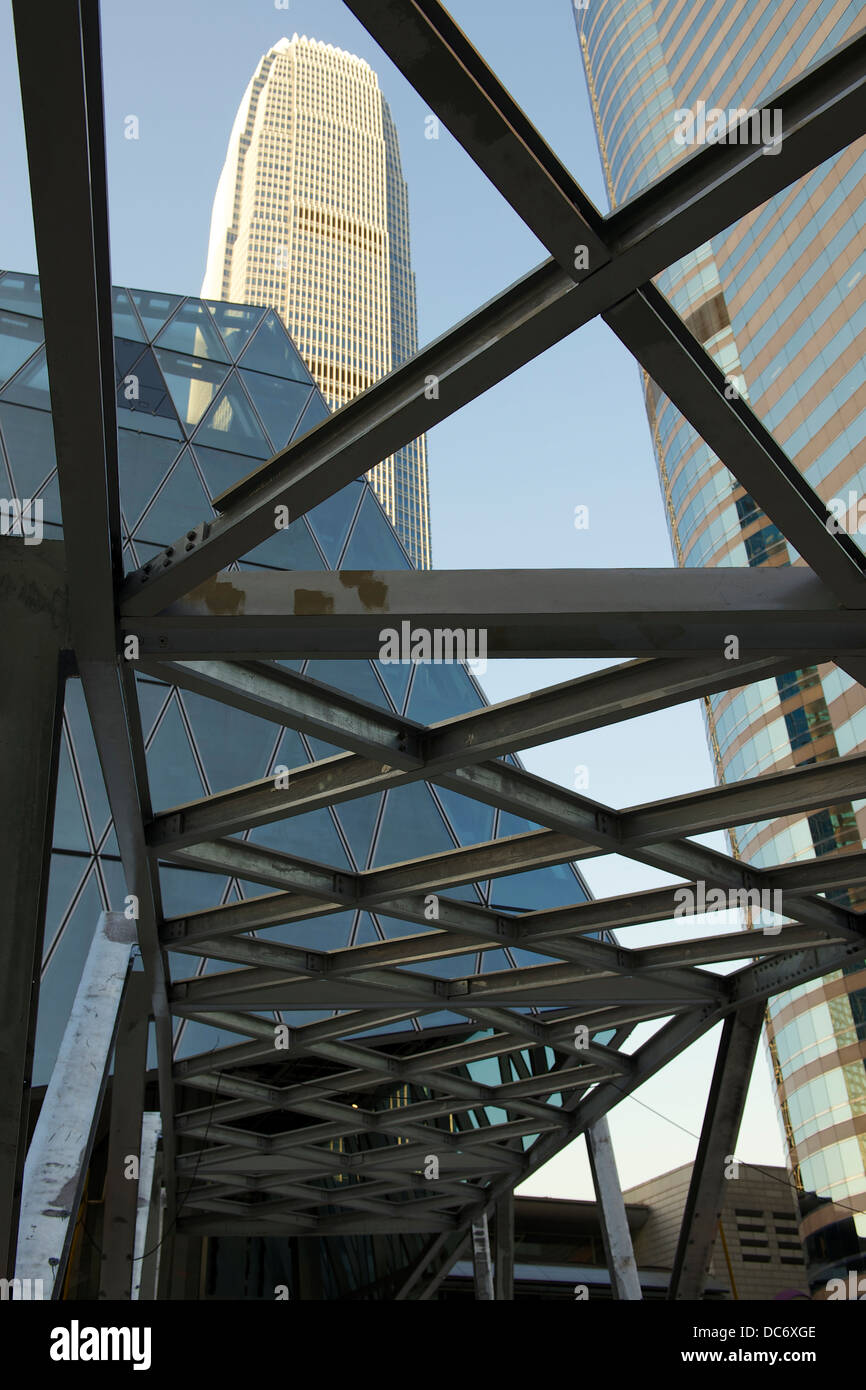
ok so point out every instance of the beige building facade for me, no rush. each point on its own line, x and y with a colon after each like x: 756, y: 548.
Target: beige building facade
x: 311, y: 219
x: 757, y: 1253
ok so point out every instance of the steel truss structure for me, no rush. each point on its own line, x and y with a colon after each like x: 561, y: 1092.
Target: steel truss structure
x: 262, y: 1141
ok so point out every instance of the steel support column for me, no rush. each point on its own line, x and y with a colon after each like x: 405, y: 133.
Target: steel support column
x: 33, y: 617
x: 125, y: 1143
x: 62, y: 1141
x: 503, y: 1236
x: 149, y: 1210
x: 481, y: 1262
x: 724, y: 1112
x: 624, y: 1281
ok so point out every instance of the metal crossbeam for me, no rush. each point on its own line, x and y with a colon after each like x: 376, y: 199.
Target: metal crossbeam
x: 445, y: 615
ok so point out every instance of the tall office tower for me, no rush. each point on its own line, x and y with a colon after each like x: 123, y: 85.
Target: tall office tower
x: 311, y: 218
x: 777, y: 300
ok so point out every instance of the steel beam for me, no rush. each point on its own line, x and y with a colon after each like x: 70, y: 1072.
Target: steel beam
x: 35, y: 627
x: 66, y: 158
x: 481, y: 1263
x: 60, y: 1148
x: 513, y: 613
x: 618, y: 1249
x: 148, y: 1222
x: 125, y: 1143
x: 715, y: 1157
x: 503, y: 1235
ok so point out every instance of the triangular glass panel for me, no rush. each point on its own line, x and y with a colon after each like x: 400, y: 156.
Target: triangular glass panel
x: 441, y: 690
x: 331, y: 519
x: 411, y: 827
x: 115, y: 883
x: 174, y: 777
x: 395, y: 929
x: 143, y: 461
x: 197, y: 1038
x: 280, y: 404
x: 365, y: 932
x: 21, y: 294
x: 372, y: 544
x: 327, y: 933
x: 86, y: 756
x: 355, y: 677
x: 358, y: 819
x: 311, y: 836
x: 29, y: 448
x: 235, y: 322
x: 19, y: 339
x: 221, y: 470
x: 492, y: 961
x: 291, y: 752
x: 271, y: 350
x: 396, y: 677
x: 234, y: 746
x: 180, y: 505
x: 143, y: 400
x: 192, y: 331
x: 154, y: 308
x: 448, y: 968
x: 314, y: 414
x: 290, y: 549
x: 30, y: 386
x: 471, y: 820
x: 109, y: 844
x: 193, y: 383
x: 510, y: 824
x: 124, y: 317
x: 189, y: 890
x: 151, y: 698
x: 126, y: 354
x: 70, y: 827
x: 553, y: 886
x: 66, y: 874
x: 320, y: 750
x: 231, y: 424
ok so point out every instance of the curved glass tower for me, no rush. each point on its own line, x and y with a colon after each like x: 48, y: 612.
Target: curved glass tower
x: 778, y: 301
x: 311, y: 218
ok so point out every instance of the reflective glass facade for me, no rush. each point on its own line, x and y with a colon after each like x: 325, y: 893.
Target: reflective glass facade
x: 778, y: 300
x: 205, y: 392
x: 311, y: 218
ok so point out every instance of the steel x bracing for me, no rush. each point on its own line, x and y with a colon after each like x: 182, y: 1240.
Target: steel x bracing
x: 330, y: 1126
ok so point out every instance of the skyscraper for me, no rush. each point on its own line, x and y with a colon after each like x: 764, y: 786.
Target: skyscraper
x: 311, y: 219
x: 777, y: 300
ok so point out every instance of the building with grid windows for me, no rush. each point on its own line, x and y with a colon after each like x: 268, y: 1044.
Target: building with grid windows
x: 778, y: 300
x: 311, y: 218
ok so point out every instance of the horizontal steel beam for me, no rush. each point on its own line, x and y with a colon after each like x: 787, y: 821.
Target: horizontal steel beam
x: 511, y: 613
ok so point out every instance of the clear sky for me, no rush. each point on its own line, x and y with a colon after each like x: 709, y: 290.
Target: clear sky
x: 507, y: 471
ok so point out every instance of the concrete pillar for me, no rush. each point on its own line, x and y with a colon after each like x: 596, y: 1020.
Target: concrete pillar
x: 616, y: 1235
x: 60, y: 1150
x: 34, y: 625
x: 124, y: 1142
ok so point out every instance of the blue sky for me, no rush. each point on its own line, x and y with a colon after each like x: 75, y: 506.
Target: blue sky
x: 507, y: 471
